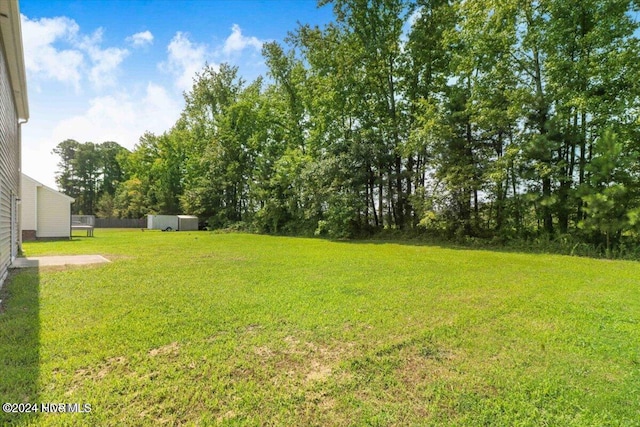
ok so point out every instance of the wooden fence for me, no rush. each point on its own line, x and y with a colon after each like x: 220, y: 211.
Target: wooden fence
x: 121, y: 223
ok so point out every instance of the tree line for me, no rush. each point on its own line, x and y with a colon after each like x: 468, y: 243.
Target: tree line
x: 486, y: 118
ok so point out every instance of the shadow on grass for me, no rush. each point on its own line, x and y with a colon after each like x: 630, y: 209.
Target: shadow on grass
x: 19, y: 343
x: 573, y: 249
x: 49, y: 242
x: 543, y: 248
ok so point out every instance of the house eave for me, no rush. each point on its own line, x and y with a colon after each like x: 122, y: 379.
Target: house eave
x: 12, y: 41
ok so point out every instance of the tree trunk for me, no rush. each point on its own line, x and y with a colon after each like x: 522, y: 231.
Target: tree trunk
x: 546, y: 210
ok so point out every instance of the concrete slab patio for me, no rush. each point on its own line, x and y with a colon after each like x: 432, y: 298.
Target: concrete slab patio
x: 47, y: 261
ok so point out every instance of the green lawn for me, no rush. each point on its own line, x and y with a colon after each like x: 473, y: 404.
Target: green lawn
x: 199, y: 328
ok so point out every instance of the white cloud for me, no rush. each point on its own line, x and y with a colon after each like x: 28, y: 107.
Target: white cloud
x: 58, y: 54
x: 141, y: 39
x: 83, y: 57
x: 121, y: 117
x: 42, y: 59
x: 104, y: 62
x: 39, y: 163
x: 159, y: 110
x: 185, y: 59
x: 105, y: 65
x: 236, y: 42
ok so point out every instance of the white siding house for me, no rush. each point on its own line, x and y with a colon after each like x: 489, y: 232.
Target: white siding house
x: 14, y: 111
x: 44, y: 212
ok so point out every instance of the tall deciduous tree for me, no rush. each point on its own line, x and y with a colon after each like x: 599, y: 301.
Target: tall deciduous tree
x: 485, y: 118
x: 87, y: 171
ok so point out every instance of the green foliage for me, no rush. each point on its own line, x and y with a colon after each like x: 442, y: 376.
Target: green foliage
x: 106, y: 208
x: 612, y: 199
x: 339, y: 222
x: 88, y: 172
x: 131, y: 201
x: 467, y: 119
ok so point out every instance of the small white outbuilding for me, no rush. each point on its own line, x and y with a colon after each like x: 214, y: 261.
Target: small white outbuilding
x: 172, y: 222
x: 44, y: 212
x: 162, y: 222
x: 187, y: 223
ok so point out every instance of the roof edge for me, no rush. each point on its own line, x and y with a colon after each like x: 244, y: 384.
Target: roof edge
x: 12, y: 40
x: 39, y: 184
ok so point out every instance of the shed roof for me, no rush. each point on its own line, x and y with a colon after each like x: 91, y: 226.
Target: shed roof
x: 39, y: 184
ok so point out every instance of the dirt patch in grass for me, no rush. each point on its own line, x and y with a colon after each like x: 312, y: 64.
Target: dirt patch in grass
x: 95, y: 373
x: 318, y: 372
x: 221, y: 257
x: 294, y: 363
x: 172, y: 349
x: 423, y: 365
x: 253, y: 329
x: 119, y: 364
x: 264, y: 352
x: 313, y: 361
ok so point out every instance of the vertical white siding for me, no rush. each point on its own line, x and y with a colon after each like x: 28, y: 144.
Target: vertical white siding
x: 53, y: 214
x: 28, y: 203
x: 9, y: 165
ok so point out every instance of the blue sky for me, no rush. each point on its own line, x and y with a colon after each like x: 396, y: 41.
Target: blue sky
x: 111, y: 70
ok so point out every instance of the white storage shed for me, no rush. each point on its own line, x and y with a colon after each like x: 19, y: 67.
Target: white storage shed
x: 162, y: 222
x: 172, y: 222
x: 187, y: 222
x: 44, y: 212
